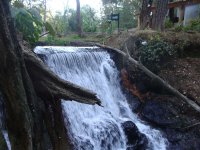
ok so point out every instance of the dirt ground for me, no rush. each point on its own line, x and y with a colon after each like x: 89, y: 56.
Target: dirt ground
x: 184, y: 75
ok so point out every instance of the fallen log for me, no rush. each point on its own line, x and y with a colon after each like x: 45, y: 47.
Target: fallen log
x: 46, y: 83
x: 156, y: 78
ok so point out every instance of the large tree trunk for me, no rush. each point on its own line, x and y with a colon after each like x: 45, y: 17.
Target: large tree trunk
x: 144, y: 20
x: 160, y: 14
x: 19, y: 118
x: 78, y: 18
x: 32, y: 94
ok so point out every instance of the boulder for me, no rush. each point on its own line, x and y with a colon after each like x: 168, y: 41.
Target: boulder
x: 160, y: 114
x: 135, y: 139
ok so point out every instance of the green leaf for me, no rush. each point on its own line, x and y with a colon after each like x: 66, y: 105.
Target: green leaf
x: 50, y: 29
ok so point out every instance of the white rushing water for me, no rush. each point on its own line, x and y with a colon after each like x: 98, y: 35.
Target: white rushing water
x: 2, y: 123
x: 95, y: 127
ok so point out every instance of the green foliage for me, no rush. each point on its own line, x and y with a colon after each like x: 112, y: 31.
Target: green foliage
x: 29, y: 23
x: 168, y: 23
x: 66, y: 22
x: 90, y: 20
x: 194, y: 25
x: 50, y: 29
x: 52, y: 40
x: 63, y: 41
x: 110, y: 1
x: 60, y: 41
x: 72, y: 20
x: 128, y: 10
x: 178, y: 28
x: 155, y: 54
x: 18, y: 4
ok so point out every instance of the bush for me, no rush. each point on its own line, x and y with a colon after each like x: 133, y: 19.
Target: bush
x: 194, y: 25
x: 179, y: 28
x: 155, y: 54
x: 168, y: 23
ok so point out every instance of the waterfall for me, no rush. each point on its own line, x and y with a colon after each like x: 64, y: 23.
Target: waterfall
x: 95, y: 127
x: 2, y: 122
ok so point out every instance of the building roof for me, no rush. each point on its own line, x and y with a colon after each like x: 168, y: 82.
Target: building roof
x: 179, y: 3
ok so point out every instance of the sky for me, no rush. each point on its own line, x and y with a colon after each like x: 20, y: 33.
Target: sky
x: 59, y: 5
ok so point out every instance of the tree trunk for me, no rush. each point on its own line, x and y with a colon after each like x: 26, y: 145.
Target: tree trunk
x: 34, y: 117
x: 145, y: 15
x: 19, y: 118
x: 45, y: 15
x: 160, y: 14
x: 78, y: 18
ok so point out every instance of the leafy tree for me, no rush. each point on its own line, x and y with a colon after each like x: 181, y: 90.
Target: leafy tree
x: 60, y: 23
x: 128, y: 13
x: 128, y: 10
x: 90, y: 20
x: 72, y: 20
x: 64, y: 23
x: 110, y: 1
x: 29, y: 23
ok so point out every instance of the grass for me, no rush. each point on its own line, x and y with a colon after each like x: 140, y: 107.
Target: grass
x: 64, y: 41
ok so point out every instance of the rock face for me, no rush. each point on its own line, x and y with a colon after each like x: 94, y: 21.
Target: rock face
x: 174, y: 118
x: 159, y: 114
x: 135, y: 139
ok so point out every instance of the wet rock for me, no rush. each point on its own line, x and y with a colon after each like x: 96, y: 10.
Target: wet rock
x: 133, y: 101
x: 189, y: 140
x: 160, y: 114
x: 135, y: 139
x: 83, y: 144
x: 173, y: 117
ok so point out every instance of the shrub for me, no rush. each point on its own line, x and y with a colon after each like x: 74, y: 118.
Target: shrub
x: 155, y: 54
x: 194, y: 25
x: 168, y: 23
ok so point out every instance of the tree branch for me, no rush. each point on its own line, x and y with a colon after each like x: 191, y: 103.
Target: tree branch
x: 47, y: 84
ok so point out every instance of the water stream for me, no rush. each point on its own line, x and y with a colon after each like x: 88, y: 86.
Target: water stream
x: 95, y: 127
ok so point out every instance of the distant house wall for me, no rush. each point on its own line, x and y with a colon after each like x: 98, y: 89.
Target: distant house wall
x: 191, y: 12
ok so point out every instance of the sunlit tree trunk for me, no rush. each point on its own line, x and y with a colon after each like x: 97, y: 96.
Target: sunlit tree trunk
x: 78, y: 18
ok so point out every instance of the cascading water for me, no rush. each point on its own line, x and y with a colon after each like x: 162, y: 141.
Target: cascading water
x: 95, y: 127
x: 2, y: 122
